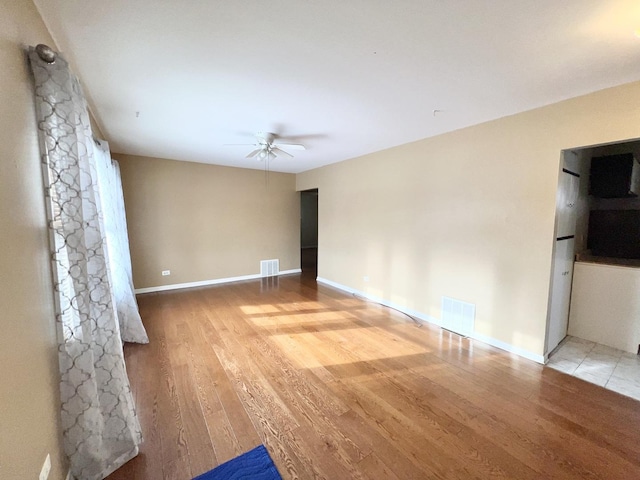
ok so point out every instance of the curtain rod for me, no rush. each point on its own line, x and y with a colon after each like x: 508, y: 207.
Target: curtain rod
x: 46, y: 53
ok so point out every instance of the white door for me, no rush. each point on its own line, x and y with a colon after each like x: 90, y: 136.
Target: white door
x: 566, y: 204
x: 566, y: 216
x: 561, y: 292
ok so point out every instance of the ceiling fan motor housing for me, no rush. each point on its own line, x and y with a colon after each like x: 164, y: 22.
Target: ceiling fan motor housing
x: 265, y: 138
x: 266, y: 148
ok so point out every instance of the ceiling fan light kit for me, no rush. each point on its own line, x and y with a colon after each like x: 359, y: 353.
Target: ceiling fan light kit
x: 267, y: 147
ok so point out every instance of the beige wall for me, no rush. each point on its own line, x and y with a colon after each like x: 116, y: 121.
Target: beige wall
x: 29, y: 395
x: 206, y: 222
x: 468, y: 214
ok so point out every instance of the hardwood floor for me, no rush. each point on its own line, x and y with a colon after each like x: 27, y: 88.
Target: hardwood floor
x: 338, y: 388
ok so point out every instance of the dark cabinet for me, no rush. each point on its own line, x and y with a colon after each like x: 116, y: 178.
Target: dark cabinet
x: 614, y: 233
x: 614, y: 176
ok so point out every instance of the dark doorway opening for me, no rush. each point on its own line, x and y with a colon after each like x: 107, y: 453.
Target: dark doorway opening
x: 309, y: 232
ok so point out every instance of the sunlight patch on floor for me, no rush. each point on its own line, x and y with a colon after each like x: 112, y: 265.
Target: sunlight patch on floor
x: 339, y: 348
x: 351, y: 302
x: 281, y: 307
x: 255, y: 309
x: 300, y: 318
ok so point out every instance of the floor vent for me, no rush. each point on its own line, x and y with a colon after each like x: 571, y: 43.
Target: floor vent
x: 457, y: 316
x: 269, y: 268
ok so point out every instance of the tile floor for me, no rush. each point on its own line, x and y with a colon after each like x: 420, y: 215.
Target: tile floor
x: 605, y: 366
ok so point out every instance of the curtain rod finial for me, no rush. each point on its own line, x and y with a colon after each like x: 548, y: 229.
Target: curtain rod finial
x: 45, y: 53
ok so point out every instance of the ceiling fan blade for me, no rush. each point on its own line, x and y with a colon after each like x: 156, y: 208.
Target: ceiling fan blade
x: 239, y: 145
x: 275, y: 150
x: 290, y: 146
x: 254, y: 153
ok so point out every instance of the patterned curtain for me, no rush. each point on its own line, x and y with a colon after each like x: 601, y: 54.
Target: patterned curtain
x: 100, y: 427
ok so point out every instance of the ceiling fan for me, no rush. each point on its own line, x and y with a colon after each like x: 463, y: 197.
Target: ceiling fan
x: 267, y: 147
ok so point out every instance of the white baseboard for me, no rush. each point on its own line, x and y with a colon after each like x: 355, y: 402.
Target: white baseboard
x: 382, y: 301
x: 204, y: 283
x: 509, y: 348
x: 427, y: 318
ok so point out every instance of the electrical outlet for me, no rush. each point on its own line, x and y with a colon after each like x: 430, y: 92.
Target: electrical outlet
x: 46, y: 468
x: 166, y: 272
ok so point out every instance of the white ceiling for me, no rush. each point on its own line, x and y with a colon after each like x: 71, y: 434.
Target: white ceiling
x: 345, y: 77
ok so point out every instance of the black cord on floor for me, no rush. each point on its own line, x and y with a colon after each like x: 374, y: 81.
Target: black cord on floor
x: 361, y: 297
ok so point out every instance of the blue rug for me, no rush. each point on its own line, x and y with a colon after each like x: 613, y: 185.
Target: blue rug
x: 256, y: 464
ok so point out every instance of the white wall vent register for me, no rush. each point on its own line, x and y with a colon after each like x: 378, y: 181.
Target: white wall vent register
x: 269, y: 268
x: 457, y: 316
